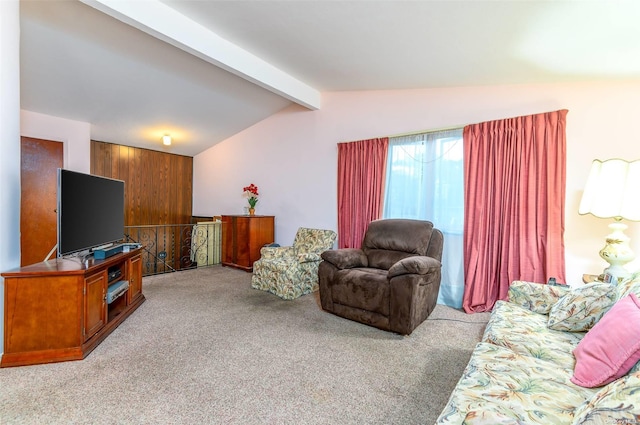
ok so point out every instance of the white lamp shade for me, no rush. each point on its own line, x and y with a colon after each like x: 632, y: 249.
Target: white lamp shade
x: 612, y: 190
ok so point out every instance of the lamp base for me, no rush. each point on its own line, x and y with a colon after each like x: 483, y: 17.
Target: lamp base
x: 617, y: 251
x: 618, y: 272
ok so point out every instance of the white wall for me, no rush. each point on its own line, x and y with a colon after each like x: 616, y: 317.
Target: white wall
x: 10, y: 144
x: 292, y: 156
x: 14, y: 123
x: 74, y: 135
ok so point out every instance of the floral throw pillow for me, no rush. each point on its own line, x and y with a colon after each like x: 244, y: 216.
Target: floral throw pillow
x: 629, y: 285
x: 580, y: 309
x: 536, y: 297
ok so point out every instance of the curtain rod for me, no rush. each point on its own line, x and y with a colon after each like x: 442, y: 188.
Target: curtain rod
x: 413, y: 133
x: 462, y: 126
x: 426, y: 131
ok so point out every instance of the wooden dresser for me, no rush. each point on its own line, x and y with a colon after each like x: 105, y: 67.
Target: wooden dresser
x: 242, y: 238
x: 57, y: 310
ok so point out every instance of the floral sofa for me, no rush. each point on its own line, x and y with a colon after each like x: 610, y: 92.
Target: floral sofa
x: 555, y: 355
x: 292, y: 271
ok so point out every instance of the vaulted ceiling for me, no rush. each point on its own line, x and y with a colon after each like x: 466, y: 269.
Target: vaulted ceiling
x: 203, y: 71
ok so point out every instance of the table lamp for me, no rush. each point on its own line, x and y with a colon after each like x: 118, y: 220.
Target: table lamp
x: 613, y: 191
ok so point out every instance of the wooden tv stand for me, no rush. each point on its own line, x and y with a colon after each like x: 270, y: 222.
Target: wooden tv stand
x: 57, y: 310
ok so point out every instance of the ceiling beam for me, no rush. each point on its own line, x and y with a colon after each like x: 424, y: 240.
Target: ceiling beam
x: 159, y: 20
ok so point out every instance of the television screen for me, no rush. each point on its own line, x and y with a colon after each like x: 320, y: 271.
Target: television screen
x: 90, y: 211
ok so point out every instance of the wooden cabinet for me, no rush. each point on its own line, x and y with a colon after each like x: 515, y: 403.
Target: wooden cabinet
x: 57, y: 310
x: 242, y: 238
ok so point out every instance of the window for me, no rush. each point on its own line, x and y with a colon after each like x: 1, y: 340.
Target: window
x: 425, y: 181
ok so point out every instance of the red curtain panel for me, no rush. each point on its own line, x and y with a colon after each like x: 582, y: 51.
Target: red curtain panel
x: 514, y: 173
x: 361, y: 174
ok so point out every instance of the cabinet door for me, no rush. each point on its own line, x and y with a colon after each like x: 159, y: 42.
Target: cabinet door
x: 242, y: 247
x: 228, y: 239
x: 135, y: 278
x: 95, y: 305
x: 260, y: 234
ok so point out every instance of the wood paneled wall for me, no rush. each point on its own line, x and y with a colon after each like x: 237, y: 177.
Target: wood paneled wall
x: 158, y: 185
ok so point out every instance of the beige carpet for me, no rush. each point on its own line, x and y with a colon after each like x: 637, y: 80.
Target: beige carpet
x: 206, y: 348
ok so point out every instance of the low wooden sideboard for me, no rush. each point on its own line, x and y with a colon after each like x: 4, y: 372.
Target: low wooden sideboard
x: 242, y: 238
x: 57, y: 310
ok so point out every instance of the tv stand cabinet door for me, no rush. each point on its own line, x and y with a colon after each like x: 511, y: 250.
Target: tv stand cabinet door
x: 40, y: 318
x: 95, y: 305
x: 135, y: 278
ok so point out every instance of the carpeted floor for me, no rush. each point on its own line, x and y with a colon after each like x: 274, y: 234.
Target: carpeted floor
x: 206, y: 348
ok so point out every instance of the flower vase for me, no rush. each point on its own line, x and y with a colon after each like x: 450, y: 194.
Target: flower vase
x: 252, y: 211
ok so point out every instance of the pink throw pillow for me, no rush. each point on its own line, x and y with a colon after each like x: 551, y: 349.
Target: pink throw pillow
x: 611, y: 348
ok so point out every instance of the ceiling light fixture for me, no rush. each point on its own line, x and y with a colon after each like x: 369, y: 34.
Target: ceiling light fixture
x: 166, y: 140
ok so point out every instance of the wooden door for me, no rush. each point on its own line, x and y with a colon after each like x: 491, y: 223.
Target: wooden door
x: 39, y: 162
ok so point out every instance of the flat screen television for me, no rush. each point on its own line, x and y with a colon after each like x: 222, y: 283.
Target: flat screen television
x: 90, y: 211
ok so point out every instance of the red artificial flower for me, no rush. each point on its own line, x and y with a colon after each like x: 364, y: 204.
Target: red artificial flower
x: 251, y: 192
x: 252, y: 188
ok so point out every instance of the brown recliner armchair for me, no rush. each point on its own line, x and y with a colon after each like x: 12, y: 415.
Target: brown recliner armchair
x: 392, y: 283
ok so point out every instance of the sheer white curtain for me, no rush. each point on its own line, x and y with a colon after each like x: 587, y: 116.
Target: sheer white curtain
x: 425, y: 178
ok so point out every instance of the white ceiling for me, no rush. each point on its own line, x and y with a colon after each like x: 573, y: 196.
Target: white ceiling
x: 205, y: 70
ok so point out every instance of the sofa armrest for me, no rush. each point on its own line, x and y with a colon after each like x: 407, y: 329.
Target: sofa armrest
x: 414, y: 265
x: 271, y: 252
x: 345, y: 258
x: 536, y: 297
x: 483, y: 417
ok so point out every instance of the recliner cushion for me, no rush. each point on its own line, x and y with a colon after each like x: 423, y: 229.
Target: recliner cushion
x: 388, y: 241
x: 363, y: 288
x: 383, y: 259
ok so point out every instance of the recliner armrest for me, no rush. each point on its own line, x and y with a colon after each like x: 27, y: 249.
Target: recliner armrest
x: 414, y: 265
x: 346, y: 258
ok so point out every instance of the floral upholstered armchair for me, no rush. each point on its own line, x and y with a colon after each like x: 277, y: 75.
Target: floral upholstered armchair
x: 292, y: 271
